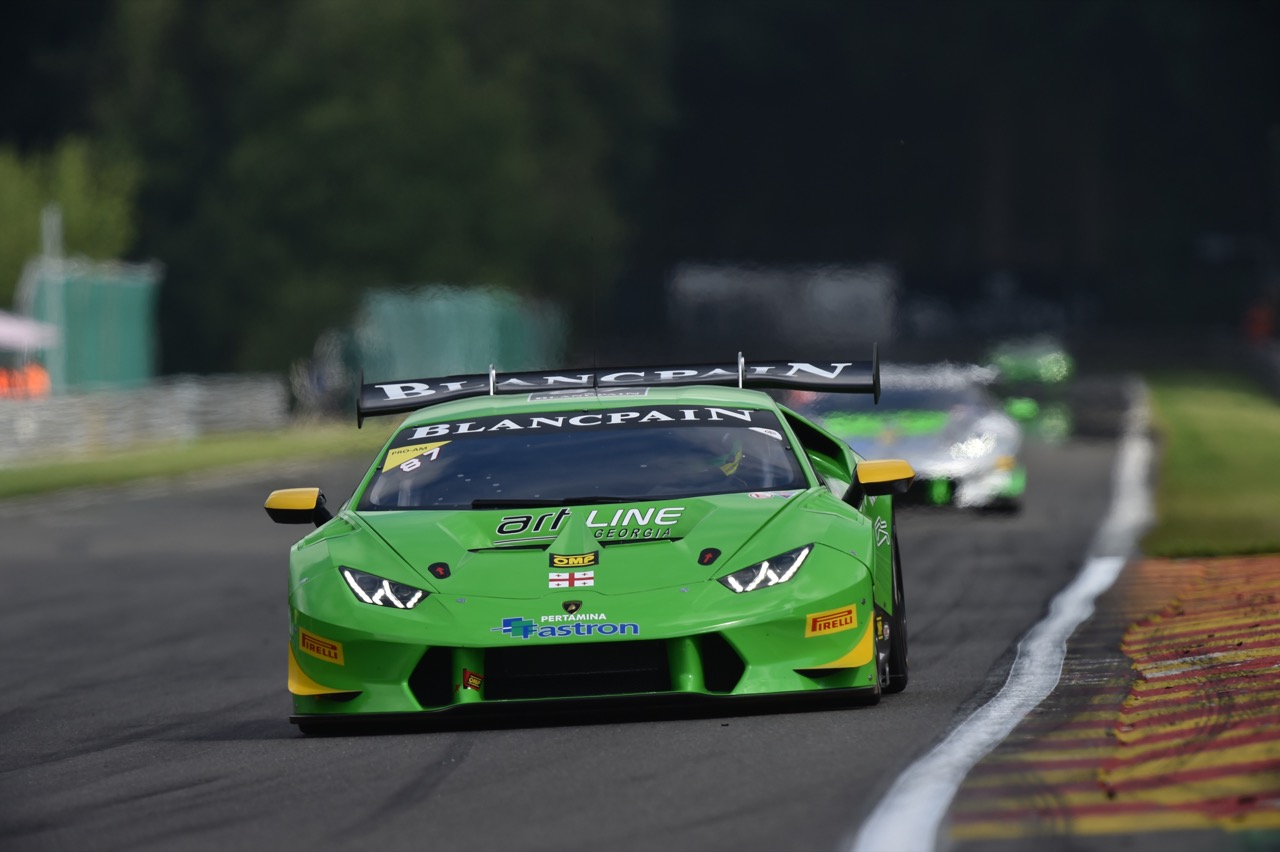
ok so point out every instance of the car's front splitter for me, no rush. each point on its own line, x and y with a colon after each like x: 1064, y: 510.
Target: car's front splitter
x: 641, y: 706
x: 821, y: 648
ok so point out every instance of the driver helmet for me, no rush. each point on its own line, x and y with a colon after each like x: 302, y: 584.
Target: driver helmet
x: 729, y: 457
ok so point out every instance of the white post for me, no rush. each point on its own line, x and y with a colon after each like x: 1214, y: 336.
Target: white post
x: 53, y: 276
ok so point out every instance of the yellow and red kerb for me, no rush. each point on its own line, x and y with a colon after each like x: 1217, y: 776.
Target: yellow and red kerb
x: 1189, y: 738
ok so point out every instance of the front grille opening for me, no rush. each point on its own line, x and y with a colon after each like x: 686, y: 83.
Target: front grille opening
x: 432, y: 679
x: 722, y: 668
x: 516, y: 546
x: 574, y: 671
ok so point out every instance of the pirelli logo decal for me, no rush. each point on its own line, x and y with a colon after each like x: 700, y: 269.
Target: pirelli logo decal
x: 324, y: 649
x: 575, y: 560
x: 831, y: 621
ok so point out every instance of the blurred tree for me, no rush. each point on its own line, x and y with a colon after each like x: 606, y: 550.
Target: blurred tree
x: 292, y: 153
x: 48, y: 54
x: 95, y: 190
x: 302, y: 150
x: 1079, y: 145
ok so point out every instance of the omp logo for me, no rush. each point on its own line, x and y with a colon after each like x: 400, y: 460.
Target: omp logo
x: 570, y: 560
x: 830, y: 621
x: 330, y: 652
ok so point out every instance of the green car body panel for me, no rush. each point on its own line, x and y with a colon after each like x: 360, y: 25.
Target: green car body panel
x: 486, y: 570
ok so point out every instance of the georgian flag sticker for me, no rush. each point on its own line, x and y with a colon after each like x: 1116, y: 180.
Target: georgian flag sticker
x: 570, y: 579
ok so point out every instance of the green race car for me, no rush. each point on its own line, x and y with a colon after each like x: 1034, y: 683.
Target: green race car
x: 1033, y: 377
x: 648, y: 533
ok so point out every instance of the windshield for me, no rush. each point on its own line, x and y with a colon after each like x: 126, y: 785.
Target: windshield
x: 649, y: 454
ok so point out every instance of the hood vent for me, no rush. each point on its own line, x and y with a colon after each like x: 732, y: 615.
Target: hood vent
x: 497, y: 546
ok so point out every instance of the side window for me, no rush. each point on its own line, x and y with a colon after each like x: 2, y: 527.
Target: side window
x: 830, y: 473
x: 832, y: 460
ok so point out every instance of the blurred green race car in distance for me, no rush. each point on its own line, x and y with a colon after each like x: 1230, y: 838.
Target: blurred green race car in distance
x: 1032, y: 375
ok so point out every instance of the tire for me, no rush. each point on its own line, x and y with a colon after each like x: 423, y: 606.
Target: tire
x: 898, y: 664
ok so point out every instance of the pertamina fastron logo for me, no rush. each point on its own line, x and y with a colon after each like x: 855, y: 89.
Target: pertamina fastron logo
x: 324, y: 649
x: 585, y: 624
x: 830, y: 621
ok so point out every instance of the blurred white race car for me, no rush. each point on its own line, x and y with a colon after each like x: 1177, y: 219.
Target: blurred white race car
x: 942, y: 420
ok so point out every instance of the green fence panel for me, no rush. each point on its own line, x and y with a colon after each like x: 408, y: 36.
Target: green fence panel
x: 106, y: 313
x: 442, y: 330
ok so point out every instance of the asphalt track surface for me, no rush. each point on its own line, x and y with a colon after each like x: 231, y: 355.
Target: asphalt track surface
x: 143, y: 702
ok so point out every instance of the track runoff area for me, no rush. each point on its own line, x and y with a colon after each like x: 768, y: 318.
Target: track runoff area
x: 1158, y: 719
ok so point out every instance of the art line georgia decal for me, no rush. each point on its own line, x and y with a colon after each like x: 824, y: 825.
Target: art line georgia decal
x: 604, y: 524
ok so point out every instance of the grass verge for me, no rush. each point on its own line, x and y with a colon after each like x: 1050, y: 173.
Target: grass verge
x: 1218, y: 475
x: 316, y: 440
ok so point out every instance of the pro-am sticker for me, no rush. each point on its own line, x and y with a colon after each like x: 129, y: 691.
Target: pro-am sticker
x: 411, y: 458
x: 321, y: 648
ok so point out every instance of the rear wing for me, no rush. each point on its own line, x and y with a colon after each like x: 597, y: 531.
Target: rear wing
x: 383, y: 398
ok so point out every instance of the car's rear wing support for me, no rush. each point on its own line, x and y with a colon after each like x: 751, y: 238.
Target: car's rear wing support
x: 383, y: 398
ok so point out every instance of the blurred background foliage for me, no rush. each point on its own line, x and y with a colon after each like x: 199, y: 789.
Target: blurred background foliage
x: 96, y: 190
x: 282, y: 158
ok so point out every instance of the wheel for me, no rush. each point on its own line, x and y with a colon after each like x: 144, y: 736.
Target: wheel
x: 898, y: 663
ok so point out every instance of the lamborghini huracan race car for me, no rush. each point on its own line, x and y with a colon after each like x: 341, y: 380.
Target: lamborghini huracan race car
x: 939, y: 418
x: 668, y: 533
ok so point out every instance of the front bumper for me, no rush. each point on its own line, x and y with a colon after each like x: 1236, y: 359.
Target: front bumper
x: 977, y: 490
x: 773, y: 641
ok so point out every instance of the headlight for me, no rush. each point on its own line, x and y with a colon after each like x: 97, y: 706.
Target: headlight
x: 974, y: 447
x: 770, y: 572
x: 380, y: 592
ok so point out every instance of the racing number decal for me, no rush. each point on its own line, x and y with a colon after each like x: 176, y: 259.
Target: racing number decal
x: 410, y: 458
x: 415, y: 463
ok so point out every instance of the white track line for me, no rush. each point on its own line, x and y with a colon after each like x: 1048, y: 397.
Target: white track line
x: 908, y: 817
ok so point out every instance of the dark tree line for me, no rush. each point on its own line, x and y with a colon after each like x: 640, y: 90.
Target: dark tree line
x: 290, y: 154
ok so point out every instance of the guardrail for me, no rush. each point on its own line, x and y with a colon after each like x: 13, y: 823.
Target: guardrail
x: 174, y: 409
